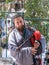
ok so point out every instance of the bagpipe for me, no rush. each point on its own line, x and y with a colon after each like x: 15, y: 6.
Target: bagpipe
x: 36, y: 39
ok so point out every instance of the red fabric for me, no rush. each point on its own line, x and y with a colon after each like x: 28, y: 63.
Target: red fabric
x: 36, y: 36
x: 32, y: 41
x: 40, y: 61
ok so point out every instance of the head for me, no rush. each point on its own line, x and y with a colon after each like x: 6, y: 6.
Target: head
x: 18, y: 22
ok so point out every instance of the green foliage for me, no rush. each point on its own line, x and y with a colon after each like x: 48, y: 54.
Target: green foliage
x: 7, y: 1
x: 3, y: 15
x: 40, y: 7
x: 37, y: 9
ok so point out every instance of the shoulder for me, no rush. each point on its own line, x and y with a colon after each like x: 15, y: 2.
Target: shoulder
x: 11, y: 35
x: 30, y: 30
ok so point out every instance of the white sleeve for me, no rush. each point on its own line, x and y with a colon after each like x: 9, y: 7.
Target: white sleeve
x: 11, y: 41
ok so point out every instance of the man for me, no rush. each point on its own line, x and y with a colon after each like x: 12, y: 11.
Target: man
x: 16, y: 38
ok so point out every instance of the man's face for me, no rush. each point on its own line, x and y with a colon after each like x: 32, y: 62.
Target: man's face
x: 19, y: 23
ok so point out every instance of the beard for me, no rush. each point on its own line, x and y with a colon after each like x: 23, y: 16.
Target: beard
x: 21, y: 28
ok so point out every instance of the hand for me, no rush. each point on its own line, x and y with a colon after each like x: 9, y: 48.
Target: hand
x: 33, y: 50
x: 36, y: 45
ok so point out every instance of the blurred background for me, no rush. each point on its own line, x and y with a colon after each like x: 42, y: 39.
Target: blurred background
x: 35, y: 14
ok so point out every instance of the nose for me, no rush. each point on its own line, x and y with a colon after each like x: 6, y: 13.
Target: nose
x: 20, y: 24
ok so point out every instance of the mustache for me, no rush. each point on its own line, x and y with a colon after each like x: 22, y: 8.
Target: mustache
x: 21, y: 28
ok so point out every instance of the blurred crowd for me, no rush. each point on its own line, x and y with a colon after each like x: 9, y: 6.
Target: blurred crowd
x: 6, y: 27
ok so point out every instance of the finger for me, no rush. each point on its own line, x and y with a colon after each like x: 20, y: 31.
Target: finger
x: 36, y: 46
x: 33, y: 49
x: 34, y: 53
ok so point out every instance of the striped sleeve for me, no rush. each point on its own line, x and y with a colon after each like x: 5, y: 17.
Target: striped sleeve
x: 11, y: 42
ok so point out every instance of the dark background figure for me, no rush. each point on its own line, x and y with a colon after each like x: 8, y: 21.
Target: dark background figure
x: 47, y: 56
x: 1, y: 35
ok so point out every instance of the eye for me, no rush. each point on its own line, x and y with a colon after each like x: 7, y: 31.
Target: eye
x: 20, y: 21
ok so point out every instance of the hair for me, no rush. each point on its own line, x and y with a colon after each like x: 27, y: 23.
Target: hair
x: 17, y: 15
